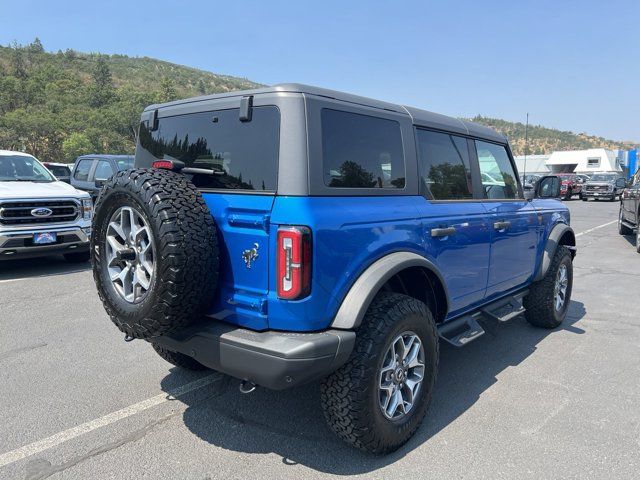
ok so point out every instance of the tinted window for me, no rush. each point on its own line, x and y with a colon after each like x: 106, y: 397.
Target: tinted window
x: 103, y: 170
x: 240, y: 155
x: 59, y: 171
x: 82, y: 170
x: 359, y: 151
x: 444, y: 165
x: 124, y: 163
x: 496, y: 171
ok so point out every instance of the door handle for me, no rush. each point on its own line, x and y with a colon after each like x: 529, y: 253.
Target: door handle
x: 503, y: 225
x: 443, y: 232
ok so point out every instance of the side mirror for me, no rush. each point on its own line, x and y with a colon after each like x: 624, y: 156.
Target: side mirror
x: 99, y: 183
x: 548, y: 187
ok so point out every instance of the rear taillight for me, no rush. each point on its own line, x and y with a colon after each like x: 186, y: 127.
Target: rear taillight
x: 294, y: 262
x: 164, y: 164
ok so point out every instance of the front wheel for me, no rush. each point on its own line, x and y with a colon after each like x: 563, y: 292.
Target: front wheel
x: 378, y: 399
x: 548, y: 300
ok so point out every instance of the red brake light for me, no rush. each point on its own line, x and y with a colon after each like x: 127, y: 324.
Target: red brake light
x: 165, y: 164
x: 294, y: 262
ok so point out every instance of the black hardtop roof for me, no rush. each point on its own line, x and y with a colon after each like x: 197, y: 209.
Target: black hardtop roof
x: 419, y: 117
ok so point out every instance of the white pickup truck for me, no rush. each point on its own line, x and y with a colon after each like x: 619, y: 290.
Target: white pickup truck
x: 40, y: 215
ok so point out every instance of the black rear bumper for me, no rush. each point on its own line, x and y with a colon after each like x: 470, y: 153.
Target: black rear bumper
x: 275, y: 360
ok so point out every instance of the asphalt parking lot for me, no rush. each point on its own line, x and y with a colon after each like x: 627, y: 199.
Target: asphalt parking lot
x: 78, y: 402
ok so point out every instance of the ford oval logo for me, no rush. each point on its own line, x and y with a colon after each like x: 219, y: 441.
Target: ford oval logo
x: 41, y: 212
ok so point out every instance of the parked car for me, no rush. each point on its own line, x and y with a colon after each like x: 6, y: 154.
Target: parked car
x: 40, y: 215
x: 629, y: 217
x: 280, y: 236
x: 91, y: 171
x: 571, y: 184
x: 603, y: 185
x: 61, y: 171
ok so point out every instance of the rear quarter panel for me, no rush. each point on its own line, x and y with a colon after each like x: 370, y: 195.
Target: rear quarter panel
x: 349, y: 234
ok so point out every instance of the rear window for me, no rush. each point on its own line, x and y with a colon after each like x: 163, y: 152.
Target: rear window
x: 360, y: 151
x: 241, y: 155
x: 124, y: 163
x: 59, y: 171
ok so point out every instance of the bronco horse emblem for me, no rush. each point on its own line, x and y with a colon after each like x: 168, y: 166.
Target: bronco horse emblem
x: 250, y: 255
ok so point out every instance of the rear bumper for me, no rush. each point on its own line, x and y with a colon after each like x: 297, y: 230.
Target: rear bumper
x: 276, y: 360
x: 19, y: 243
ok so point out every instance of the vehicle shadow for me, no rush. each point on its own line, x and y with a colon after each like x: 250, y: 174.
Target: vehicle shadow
x: 39, y: 267
x: 631, y: 239
x: 291, y: 423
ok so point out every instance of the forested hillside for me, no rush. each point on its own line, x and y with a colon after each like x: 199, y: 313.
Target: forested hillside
x: 60, y: 105
x: 547, y: 140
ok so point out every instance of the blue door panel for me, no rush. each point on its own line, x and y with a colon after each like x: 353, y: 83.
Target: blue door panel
x: 514, y: 249
x: 462, y: 258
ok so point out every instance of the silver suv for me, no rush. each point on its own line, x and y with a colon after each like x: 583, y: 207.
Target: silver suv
x: 40, y: 215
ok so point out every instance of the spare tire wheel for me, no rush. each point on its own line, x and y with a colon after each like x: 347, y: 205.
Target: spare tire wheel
x: 154, y: 252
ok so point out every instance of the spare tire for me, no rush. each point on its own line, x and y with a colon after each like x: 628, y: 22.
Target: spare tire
x: 154, y: 252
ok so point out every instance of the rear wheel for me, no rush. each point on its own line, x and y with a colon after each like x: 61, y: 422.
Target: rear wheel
x: 638, y: 239
x: 178, y: 359
x: 378, y: 399
x: 548, y: 300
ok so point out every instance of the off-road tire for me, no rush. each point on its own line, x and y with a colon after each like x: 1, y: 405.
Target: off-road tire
x: 622, y: 228
x: 350, y: 397
x: 77, y: 257
x: 186, y: 251
x: 540, y: 309
x: 178, y: 359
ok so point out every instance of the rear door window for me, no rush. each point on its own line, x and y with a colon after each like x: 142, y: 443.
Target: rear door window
x: 496, y: 171
x: 444, y: 165
x: 361, y: 151
x: 238, y: 155
x: 82, y: 170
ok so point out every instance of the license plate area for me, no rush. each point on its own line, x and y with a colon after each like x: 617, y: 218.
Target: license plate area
x: 45, y: 238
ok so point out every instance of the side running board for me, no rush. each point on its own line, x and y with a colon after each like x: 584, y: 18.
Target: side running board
x: 460, y: 331
x: 465, y: 329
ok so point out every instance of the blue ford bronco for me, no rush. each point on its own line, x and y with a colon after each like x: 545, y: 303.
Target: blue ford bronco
x: 292, y: 233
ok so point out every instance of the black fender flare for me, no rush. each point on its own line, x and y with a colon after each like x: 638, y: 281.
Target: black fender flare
x: 364, y: 289
x: 551, y: 245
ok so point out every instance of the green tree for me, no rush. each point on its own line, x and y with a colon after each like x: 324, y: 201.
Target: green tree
x: 101, y: 91
x: 17, y: 61
x: 167, y: 90
x: 75, y: 145
x: 35, y: 47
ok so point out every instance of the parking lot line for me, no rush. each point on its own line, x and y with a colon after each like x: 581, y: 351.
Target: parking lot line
x: 596, y: 228
x: 71, y: 433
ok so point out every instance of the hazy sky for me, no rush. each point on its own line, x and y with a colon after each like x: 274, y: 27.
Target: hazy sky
x: 573, y: 65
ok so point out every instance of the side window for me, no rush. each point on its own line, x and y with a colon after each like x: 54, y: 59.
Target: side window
x: 360, y: 151
x: 103, y: 170
x: 444, y: 165
x: 82, y: 170
x: 498, y: 177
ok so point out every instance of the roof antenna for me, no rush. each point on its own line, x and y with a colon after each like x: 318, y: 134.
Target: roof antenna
x: 526, y: 141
